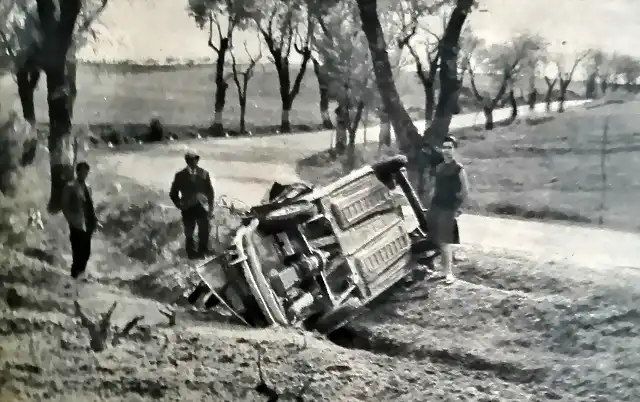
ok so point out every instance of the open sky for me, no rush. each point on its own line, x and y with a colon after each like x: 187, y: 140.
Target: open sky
x: 143, y: 30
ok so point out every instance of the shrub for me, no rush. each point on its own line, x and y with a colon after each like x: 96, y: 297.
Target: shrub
x: 20, y: 183
x: 18, y: 144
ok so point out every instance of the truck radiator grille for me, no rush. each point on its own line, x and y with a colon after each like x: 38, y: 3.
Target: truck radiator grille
x: 382, y: 254
x: 351, y: 210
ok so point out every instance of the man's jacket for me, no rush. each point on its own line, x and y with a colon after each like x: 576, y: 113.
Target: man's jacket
x: 190, y: 188
x: 74, y: 205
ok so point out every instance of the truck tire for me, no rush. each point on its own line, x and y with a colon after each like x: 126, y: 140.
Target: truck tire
x: 388, y: 167
x: 290, y: 215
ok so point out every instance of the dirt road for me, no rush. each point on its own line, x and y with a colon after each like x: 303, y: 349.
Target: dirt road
x: 244, y: 168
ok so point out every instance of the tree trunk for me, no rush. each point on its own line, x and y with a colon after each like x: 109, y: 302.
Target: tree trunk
x: 342, y: 123
x: 27, y: 78
x: 533, y: 99
x: 58, y: 37
x: 353, y: 130
x: 406, y: 132
x: 384, y: 137
x: 243, y: 113
x: 61, y: 149
x: 488, y: 116
x: 450, y: 84
x: 341, y: 138
x: 514, y: 106
x: 285, y: 119
x: 285, y: 80
x: 547, y: 99
x: 72, y: 73
x: 563, y: 95
x: 429, y: 100
x: 590, y: 86
x: 323, y: 87
x: 217, y: 129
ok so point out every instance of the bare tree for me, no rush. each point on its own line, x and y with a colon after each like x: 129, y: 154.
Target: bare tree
x: 23, y: 48
x: 594, y: 68
x: 565, y: 76
x: 530, y: 69
x: 233, y: 14
x: 505, y: 59
x: 551, y: 85
x: 279, y: 24
x: 449, y: 75
x: 406, y: 132
x: 51, y: 45
x: 607, y: 74
x: 341, y: 47
x: 241, y: 79
x: 409, y: 14
x: 324, y: 84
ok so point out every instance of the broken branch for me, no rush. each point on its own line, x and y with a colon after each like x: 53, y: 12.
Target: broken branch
x: 125, y: 331
x: 105, y: 323
x: 97, y: 336
x: 262, y: 388
x: 171, y: 316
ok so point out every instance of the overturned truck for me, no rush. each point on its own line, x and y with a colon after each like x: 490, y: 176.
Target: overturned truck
x: 318, y: 257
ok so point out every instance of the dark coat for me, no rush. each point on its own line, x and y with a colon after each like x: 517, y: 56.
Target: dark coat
x: 190, y: 189
x: 74, y: 205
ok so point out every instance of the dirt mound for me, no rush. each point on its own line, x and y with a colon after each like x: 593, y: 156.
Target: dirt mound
x: 554, y: 330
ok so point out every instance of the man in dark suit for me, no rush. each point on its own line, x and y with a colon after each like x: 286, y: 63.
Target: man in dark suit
x: 192, y: 193
x: 78, y: 209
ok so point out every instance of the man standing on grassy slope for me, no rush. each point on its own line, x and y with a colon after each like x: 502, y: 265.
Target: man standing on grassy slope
x: 192, y: 193
x: 78, y: 209
x: 447, y: 196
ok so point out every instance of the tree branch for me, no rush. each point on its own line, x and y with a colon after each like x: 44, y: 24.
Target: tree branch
x: 210, y: 41
x: 172, y: 314
x: 507, y: 76
x: 86, y: 24
x: 472, y: 79
x: 105, y: 323
x: 262, y: 388
x: 550, y: 83
x: 125, y: 331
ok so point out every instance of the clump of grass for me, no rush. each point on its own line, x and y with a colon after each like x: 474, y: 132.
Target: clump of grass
x: 21, y: 183
x: 543, y: 213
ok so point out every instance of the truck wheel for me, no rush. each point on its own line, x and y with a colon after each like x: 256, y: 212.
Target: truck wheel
x: 291, y: 214
x: 339, y: 317
x: 387, y: 168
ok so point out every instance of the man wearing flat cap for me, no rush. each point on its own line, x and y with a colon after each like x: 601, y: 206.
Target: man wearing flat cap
x: 192, y: 193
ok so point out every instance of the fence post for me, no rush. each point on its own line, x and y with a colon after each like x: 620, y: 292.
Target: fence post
x: 603, y: 170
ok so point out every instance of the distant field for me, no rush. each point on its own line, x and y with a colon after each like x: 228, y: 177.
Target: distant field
x: 185, y: 96
x: 550, y: 170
